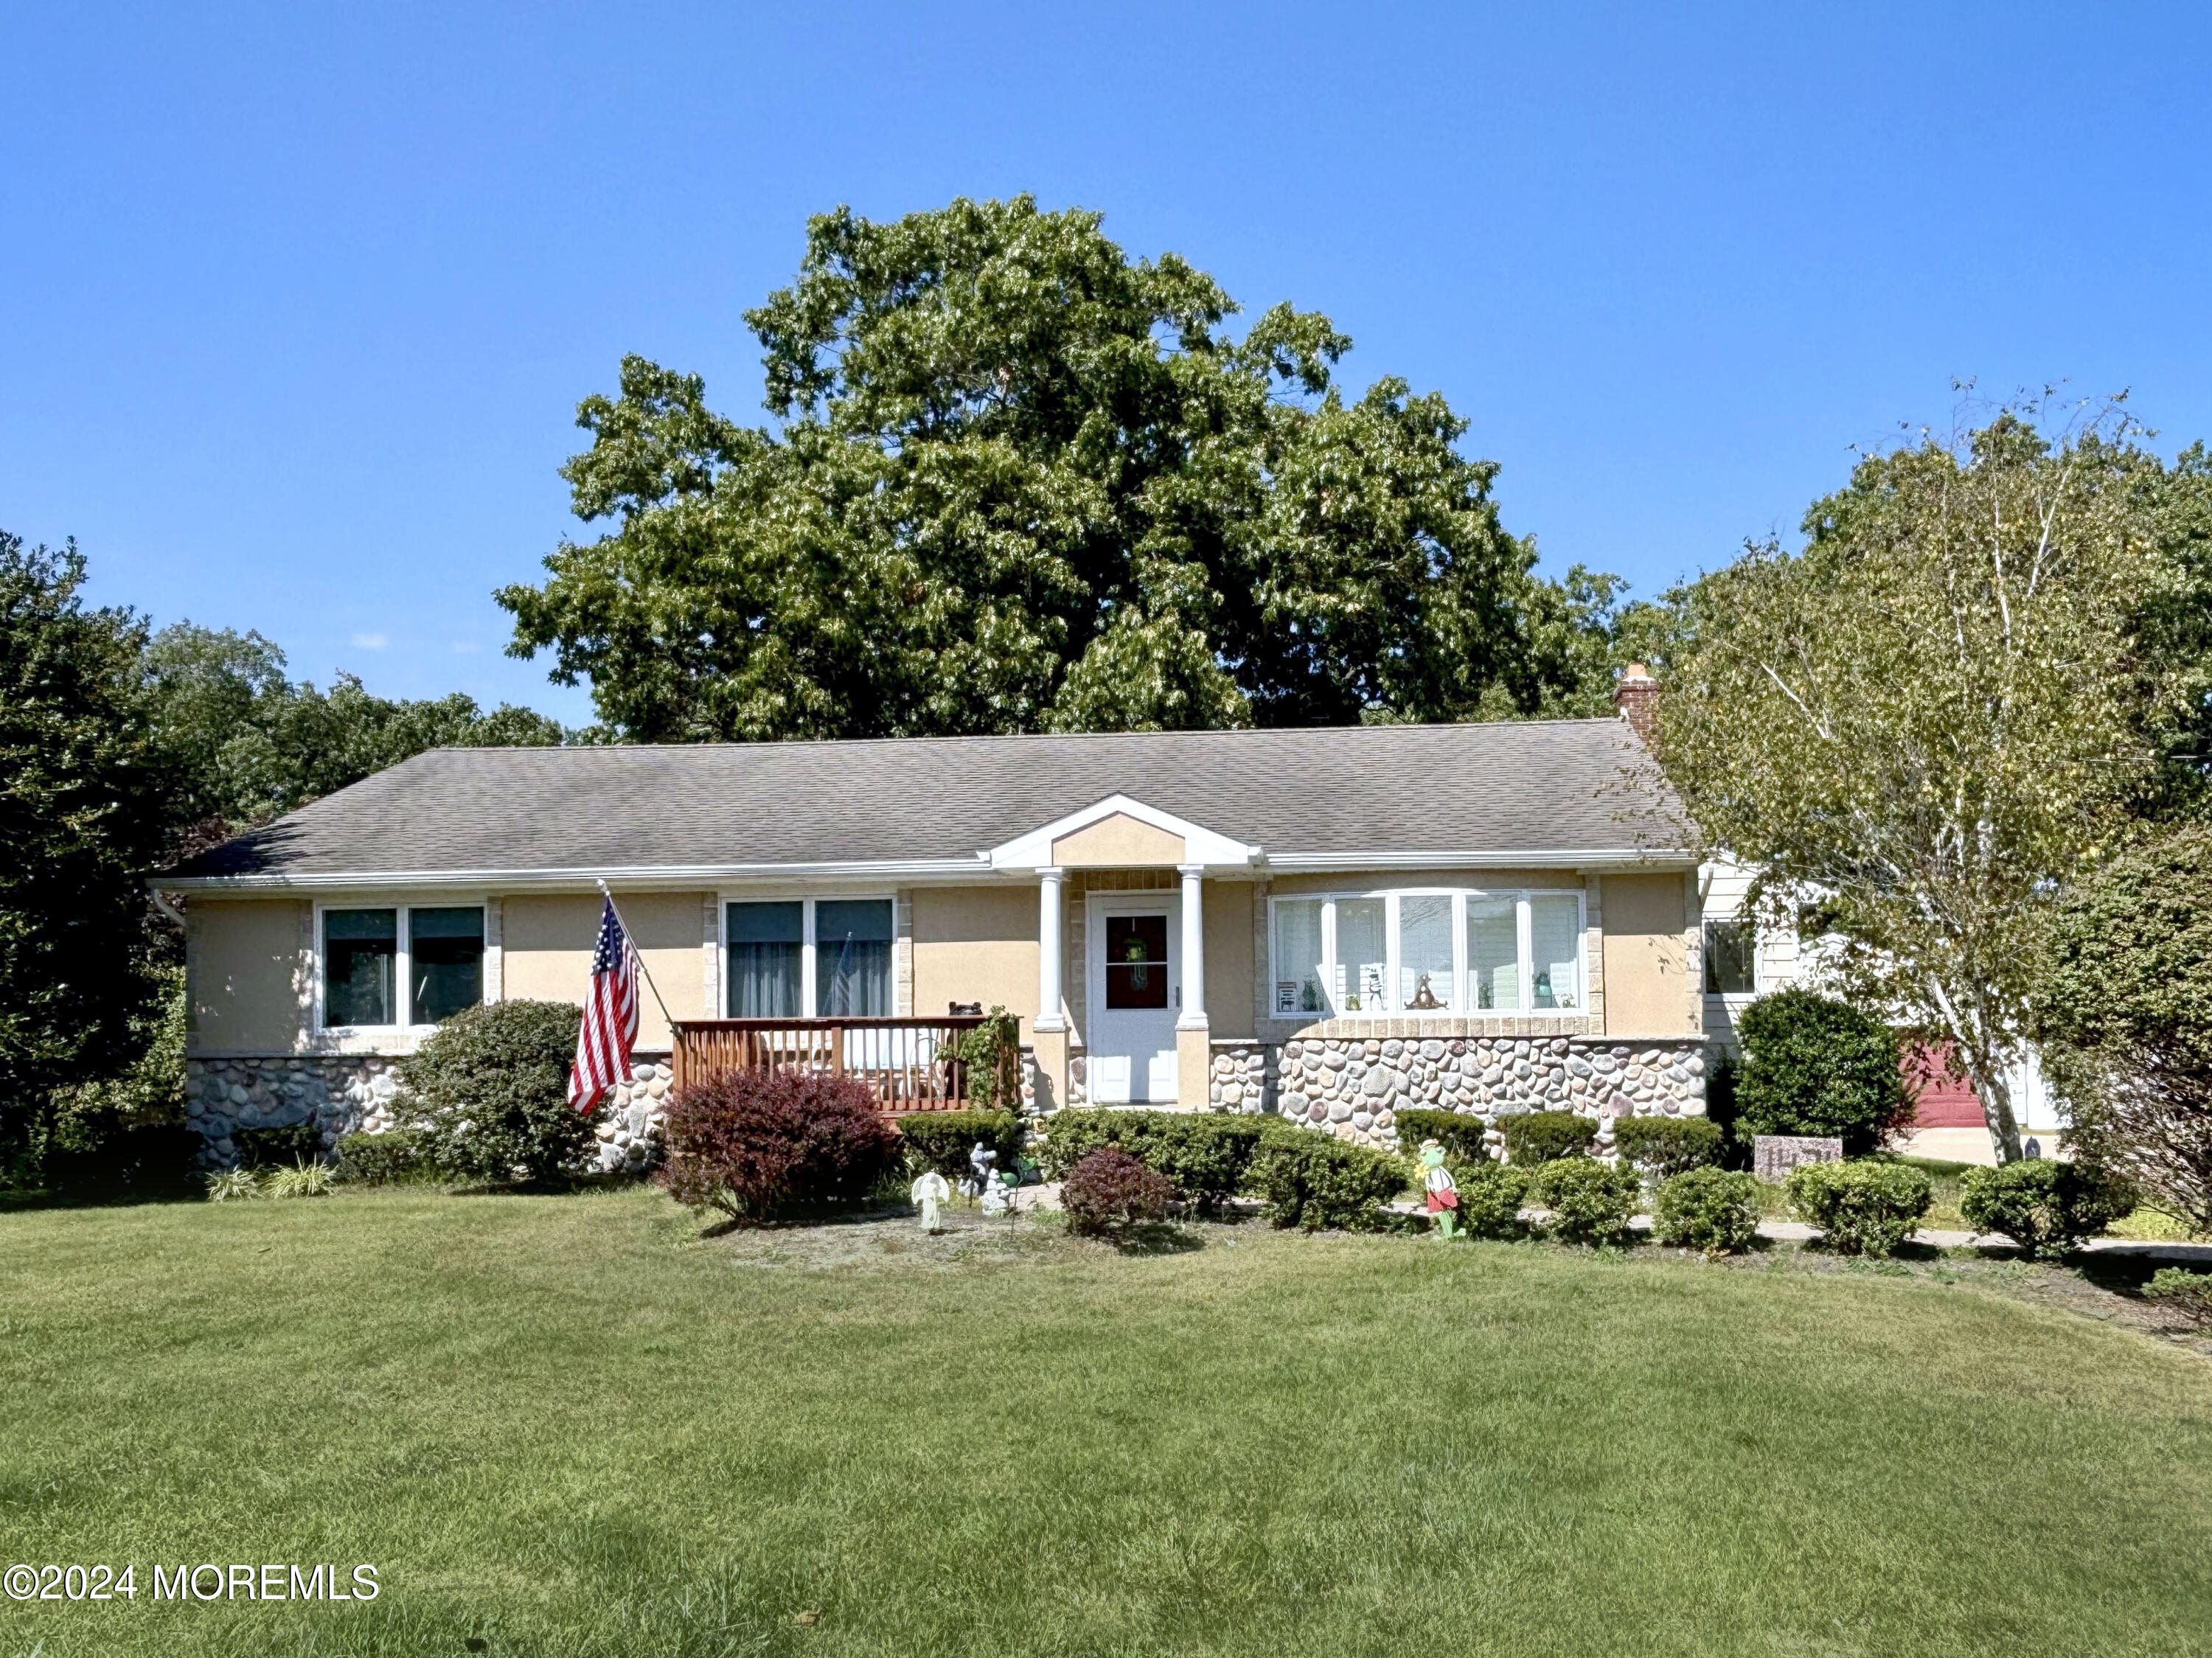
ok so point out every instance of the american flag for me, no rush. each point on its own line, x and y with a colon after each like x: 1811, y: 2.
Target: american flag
x: 610, y: 1015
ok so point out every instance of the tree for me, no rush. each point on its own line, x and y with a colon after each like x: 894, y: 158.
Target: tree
x: 244, y: 744
x: 1022, y: 482
x: 2124, y: 1015
x: 77, y: 768
x: 1946, y: 707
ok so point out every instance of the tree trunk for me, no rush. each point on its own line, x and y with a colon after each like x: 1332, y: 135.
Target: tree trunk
x: 1995, y: 1095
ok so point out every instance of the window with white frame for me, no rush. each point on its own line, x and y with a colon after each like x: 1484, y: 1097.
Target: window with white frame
x: 388, y: 965
x: 1432, y: 950
x: 784, y: 959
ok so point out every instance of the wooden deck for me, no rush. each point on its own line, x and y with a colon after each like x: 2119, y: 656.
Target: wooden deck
x: 910, y: 1063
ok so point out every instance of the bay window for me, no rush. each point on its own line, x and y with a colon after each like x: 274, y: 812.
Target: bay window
x: 400, y: 964
x: 789, y: 958
x: 1377, y: 955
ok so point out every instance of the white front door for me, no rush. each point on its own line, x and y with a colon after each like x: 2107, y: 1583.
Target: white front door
x: 1136, y: 995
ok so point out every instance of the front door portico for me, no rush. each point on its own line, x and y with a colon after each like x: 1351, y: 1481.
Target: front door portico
x: 1136, y: 996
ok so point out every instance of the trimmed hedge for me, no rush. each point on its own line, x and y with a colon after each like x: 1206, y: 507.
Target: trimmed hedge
x: 1706, y: 1208
x: 1207, y: 1154
x: 943, y: 1140
x: 1590, y: 1201
x: 1661, y: 1146
x: 1312, y: 1180
x: 1459, y: 1134
x: 1535, y: 1137
x: 1816, y: 1066
x: 490, y: 1089
x: 1863, y: 1208
x: 2043, y: 1205
x: 1491, y: 1195
x: 1108, y: 1192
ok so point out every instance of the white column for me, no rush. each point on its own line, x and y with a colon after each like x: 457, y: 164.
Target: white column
x: 1193, y: 1017
x: 1048, y: 952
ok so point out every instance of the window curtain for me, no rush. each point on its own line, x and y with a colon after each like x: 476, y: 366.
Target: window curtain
x: 853, y: 957
x: 765, y: 943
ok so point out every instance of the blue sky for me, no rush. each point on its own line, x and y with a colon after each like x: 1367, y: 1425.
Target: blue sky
x: 296, y: 303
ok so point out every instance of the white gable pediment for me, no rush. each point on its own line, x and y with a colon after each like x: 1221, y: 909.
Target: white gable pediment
x: 1200, y: 844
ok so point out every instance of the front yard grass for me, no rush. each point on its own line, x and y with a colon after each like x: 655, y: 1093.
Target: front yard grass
x: 569, y: 1426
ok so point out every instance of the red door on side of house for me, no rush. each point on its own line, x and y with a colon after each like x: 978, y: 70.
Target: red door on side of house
x: 1944, y: 1101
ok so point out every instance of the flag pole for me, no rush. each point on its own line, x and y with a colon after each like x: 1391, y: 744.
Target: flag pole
x: 641, y: 966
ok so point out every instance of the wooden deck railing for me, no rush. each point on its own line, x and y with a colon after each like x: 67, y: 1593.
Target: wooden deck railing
x: 910, y: 1063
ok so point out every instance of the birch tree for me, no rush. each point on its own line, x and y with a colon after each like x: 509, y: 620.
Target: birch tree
x: 1944, y: 709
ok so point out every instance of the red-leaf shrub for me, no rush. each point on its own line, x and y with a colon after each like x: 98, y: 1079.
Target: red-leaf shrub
x: 757, y: 1144
x: 1109, y: 1191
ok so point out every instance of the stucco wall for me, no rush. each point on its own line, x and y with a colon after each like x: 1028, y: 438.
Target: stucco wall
x: 1647, y: 961
x: 547, y: 943
x: 1117, y: 842
x: 976, y: 944
x: 1229, y: 992
x: 248, y: 976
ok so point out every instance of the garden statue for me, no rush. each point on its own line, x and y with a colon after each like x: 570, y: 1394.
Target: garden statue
x: 929, y: 1190
x: 999, y: 1193
x: 1442, y: 1189
x: 980, y: 1161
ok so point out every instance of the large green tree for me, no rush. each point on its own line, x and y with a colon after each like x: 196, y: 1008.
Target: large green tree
x: 78, y: 773
x: 245, y: 743
x: 1021, y: 482
x: 1956, y: 700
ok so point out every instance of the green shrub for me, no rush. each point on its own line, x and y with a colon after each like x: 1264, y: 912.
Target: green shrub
x: 1313, y: 1181
x: 233, y: 1186
x: 2187, y: 1295
x: 990, y: 1058
x: 1706, y: 1208
x: 2043, y: 1205
x: 1491, y: 1195
x: 395, y: 1157
x: 1534, y: 1137
x: 90, y: 1159
x: 1863, y: 1208
x: 943, y: 1140
x: 1459, y: 1134
x: 1818, y: 1066
x: 490, y: 1090
x: 301, y: 1180
x: 278, y: 1147
x: 1660, y: 1146
x: 1206, y: 1154
x: 1590, y: 1201
x: 1108, y: 1192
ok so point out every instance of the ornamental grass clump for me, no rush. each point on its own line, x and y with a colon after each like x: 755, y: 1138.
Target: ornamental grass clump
x: 1590, y: 1201
x: 1535, y: 1137
x: 2043, y: 1205
x: 762, y: 1145
x: 488, y: 1090
x: 1109, y: 1194
x: 1660, y: 1146
x: 1863, y: 1208
x: 233, y: 1186
x: 299, y: 1179
x: 1707, y: 1209
x: 1315, y: 1182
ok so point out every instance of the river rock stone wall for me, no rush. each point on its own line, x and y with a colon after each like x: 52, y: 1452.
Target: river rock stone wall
x: 1352, y: 1088
x: 337, y: 1095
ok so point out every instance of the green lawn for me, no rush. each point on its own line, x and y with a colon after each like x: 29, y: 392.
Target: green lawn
x: 567, y: 1425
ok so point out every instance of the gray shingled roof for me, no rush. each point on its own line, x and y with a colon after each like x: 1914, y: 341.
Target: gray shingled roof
x: 1582, y: 786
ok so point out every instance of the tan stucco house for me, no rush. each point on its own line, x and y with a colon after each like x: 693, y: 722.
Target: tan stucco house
x: 1327, y: 923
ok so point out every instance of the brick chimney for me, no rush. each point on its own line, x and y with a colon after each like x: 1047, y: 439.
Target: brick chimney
x: 1635, y: 694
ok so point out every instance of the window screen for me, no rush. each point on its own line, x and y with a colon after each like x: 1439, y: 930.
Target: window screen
x: 853, y: 957
x: 765, y: 943
x: 1555, y: 949
x: 1298, y: 956
x: 1424, y: 953
x: 445, y: 953
x: 1493, y: 953
x: 1729, y: 970
x: 361, y: 955
x: 1362, y: 956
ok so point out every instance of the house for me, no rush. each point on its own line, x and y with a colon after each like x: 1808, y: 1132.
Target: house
x: 1327, y: 924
